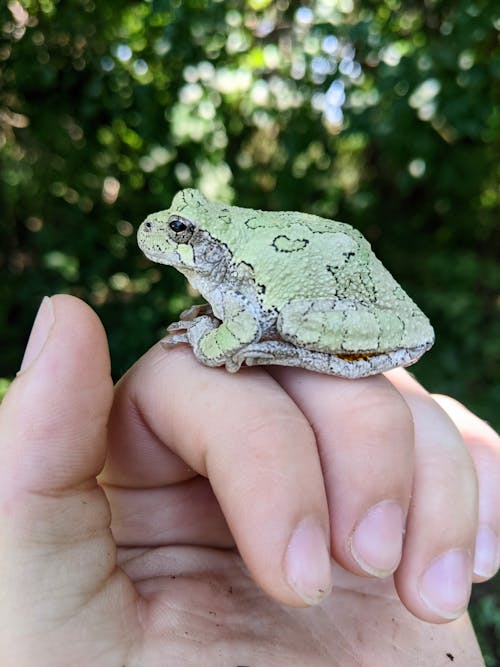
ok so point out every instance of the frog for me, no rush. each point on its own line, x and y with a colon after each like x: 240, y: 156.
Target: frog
x: 283, y: 288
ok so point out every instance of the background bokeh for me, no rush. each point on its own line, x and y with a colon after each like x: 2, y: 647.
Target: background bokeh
x: 383, y: 114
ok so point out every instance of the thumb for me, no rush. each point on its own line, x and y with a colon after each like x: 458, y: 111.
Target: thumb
x: 54, y: 519
x: 53, y: 418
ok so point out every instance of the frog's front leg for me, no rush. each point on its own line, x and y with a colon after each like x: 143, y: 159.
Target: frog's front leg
x: 216, y: 343
x: 196, y: 311
x: 188, y: 317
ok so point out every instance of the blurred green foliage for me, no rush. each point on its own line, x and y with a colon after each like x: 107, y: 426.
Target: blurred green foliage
x: 383, y: 114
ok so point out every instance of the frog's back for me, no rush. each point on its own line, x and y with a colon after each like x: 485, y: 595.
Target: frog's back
x: 329, y: 289
x: 296, y: 255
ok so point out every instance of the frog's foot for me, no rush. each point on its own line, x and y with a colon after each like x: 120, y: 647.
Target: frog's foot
x: 180, y: 332
x: 172, y: 341
x: 255, y: 354
x: 196, y: 311
x: 190, y: 317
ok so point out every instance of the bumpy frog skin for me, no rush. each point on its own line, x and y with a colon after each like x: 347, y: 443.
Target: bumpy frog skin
x: 283, y: 288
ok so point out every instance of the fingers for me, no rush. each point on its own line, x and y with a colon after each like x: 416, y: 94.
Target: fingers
x: 254, y: 445
x: 245, y: 435
x: 484, y: 447
x: 365, y: 438
x: 434, y: 577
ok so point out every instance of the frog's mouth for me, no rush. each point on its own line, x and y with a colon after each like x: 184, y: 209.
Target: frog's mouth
x: 157, y: 257
x: 155, y: 251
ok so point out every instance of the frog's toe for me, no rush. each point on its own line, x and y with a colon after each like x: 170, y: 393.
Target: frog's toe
x: 233, y: 365
x: 251, y: 355
x: 172, y: 340
x: 259, y: 360
x: 194, y: 319
x: 182, y: 325
x: 195, y: 311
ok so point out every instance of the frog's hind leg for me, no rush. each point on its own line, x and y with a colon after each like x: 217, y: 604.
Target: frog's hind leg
x: 281, y: 353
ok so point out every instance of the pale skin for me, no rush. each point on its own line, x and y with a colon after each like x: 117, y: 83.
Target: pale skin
x: 118, y: 547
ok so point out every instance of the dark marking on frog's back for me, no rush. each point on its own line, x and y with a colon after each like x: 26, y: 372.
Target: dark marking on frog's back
x: 283, y: 243
x: 256, y: 219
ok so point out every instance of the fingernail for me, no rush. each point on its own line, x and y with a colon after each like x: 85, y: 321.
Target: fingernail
x: 307, y: 562
x: 486, y: 554
x: 445, y: 585
x: 377, y: 541
x: 41, y: 327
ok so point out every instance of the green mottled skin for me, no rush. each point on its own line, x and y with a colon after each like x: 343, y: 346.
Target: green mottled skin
x: 287, y: 288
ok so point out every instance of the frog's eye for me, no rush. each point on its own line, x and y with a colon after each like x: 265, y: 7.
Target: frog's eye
x: 180, y: 229
x: 177, y: 225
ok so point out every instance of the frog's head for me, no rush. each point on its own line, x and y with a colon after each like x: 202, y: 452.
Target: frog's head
x: 168, y: 236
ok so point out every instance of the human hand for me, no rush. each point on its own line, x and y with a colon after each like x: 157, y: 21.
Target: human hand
x: 181, y: 589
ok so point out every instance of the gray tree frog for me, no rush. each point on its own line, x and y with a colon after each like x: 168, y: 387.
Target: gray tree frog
x: 283, y: 288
